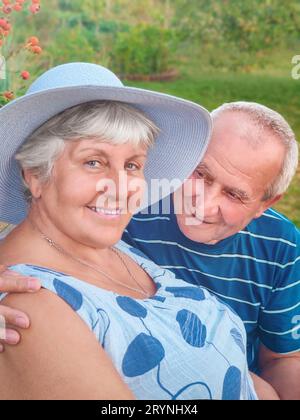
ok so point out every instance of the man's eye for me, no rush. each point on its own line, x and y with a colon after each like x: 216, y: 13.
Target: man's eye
x: 233, y: 196
x: 200, y: 174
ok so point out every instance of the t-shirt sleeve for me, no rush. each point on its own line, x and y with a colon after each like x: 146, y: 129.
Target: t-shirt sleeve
x: 279, y: 324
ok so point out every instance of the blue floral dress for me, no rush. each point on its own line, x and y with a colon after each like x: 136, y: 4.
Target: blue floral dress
x: 182, y: 343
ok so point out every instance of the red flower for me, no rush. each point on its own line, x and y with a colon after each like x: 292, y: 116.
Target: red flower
x: 17, y: 7
x: 4, y: 24
x: 33, y: 40
x: 7, y: 9
x: 25, y: 75
x: 9, y: 95
x: 34, y: 8
x: 36, y: 49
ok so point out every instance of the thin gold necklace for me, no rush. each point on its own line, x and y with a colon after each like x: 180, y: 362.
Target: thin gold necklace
x: 114, y: 250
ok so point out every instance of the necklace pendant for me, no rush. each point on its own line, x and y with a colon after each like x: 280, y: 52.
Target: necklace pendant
x: 51, y: 243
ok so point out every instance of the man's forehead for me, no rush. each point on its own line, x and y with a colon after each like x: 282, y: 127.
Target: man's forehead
x: 244, y: 129
x: 238, y: 124
x: 234, y: 115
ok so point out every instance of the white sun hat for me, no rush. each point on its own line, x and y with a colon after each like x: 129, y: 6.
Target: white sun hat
x: 185, y: 127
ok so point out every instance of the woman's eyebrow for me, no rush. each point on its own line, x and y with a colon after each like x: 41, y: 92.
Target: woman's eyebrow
x: 93, y: 149
x: 140, y: 155
x: 106, y: 155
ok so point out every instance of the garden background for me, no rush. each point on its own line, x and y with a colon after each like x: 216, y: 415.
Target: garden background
x: 210, y: 52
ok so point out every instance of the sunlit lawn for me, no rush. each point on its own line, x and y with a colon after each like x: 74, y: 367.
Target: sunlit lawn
x: 280, y: 93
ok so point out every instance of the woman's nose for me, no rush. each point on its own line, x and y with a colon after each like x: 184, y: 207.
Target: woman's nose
x: 113, y: 185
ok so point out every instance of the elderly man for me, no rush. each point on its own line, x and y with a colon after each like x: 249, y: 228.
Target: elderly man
x: 243, y: 251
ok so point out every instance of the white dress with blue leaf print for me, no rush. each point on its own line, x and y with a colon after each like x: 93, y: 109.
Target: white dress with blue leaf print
x: 182, y: 343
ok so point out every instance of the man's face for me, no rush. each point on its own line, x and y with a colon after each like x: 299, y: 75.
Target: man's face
x: 236, y: 175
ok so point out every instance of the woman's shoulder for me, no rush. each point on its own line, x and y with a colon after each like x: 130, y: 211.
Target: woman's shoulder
x: 81, y: 297
x: 45, y: 310
x: 16, y: 246
x: 53, y: 347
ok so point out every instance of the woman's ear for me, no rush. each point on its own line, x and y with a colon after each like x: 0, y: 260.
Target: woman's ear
x: 33, y: 182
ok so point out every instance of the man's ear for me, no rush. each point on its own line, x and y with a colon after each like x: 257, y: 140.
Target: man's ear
x: 33, y: 182
x: 267, y: 204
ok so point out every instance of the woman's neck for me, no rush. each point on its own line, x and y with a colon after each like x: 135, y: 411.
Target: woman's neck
x: 28, y: 243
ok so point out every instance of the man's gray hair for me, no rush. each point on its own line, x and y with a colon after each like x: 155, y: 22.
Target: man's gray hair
x: 109, y: 121
x: 271, y: 121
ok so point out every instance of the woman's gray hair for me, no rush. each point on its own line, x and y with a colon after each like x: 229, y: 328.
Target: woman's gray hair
x: 109, y: 121
x: 271, y: 121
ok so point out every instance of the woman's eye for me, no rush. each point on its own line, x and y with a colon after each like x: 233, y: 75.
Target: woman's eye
x: 132, y: 166
x: 93, y: 163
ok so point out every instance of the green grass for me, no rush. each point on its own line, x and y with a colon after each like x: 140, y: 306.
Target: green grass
x: 281, y: 93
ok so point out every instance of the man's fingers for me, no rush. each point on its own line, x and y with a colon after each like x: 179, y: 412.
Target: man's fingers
x: 11, y: 338
x: 12, y: 317
x: 12, y: 282
x: 2, y: 268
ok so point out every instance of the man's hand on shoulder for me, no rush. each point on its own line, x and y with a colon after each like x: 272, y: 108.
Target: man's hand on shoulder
x: 10, y: 318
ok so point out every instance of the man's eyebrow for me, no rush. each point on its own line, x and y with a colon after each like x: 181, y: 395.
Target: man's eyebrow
x: 242, y: 194
x: 204, y: 167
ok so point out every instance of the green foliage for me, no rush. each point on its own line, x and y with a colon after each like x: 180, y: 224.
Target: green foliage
x: 143, y: 49
x: 245, y: 30
x: 79, y: 47
x: 228, y: 35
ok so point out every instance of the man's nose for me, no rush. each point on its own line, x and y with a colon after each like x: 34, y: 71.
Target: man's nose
x: 212, y: 201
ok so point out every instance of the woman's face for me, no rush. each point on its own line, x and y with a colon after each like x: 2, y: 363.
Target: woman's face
x: 94, y: 189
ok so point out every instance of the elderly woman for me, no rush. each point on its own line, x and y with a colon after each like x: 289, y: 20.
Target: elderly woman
x: 108, y: 323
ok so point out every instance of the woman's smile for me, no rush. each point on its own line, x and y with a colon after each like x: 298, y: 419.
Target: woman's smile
x: 105, y: 213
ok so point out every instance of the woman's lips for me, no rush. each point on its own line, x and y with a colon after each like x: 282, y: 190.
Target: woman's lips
x: 106, y: 213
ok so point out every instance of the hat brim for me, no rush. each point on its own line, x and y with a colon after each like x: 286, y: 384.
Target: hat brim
x: 185, y: 130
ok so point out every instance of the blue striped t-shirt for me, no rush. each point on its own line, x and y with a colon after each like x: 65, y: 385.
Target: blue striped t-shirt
x: 256, y: 272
